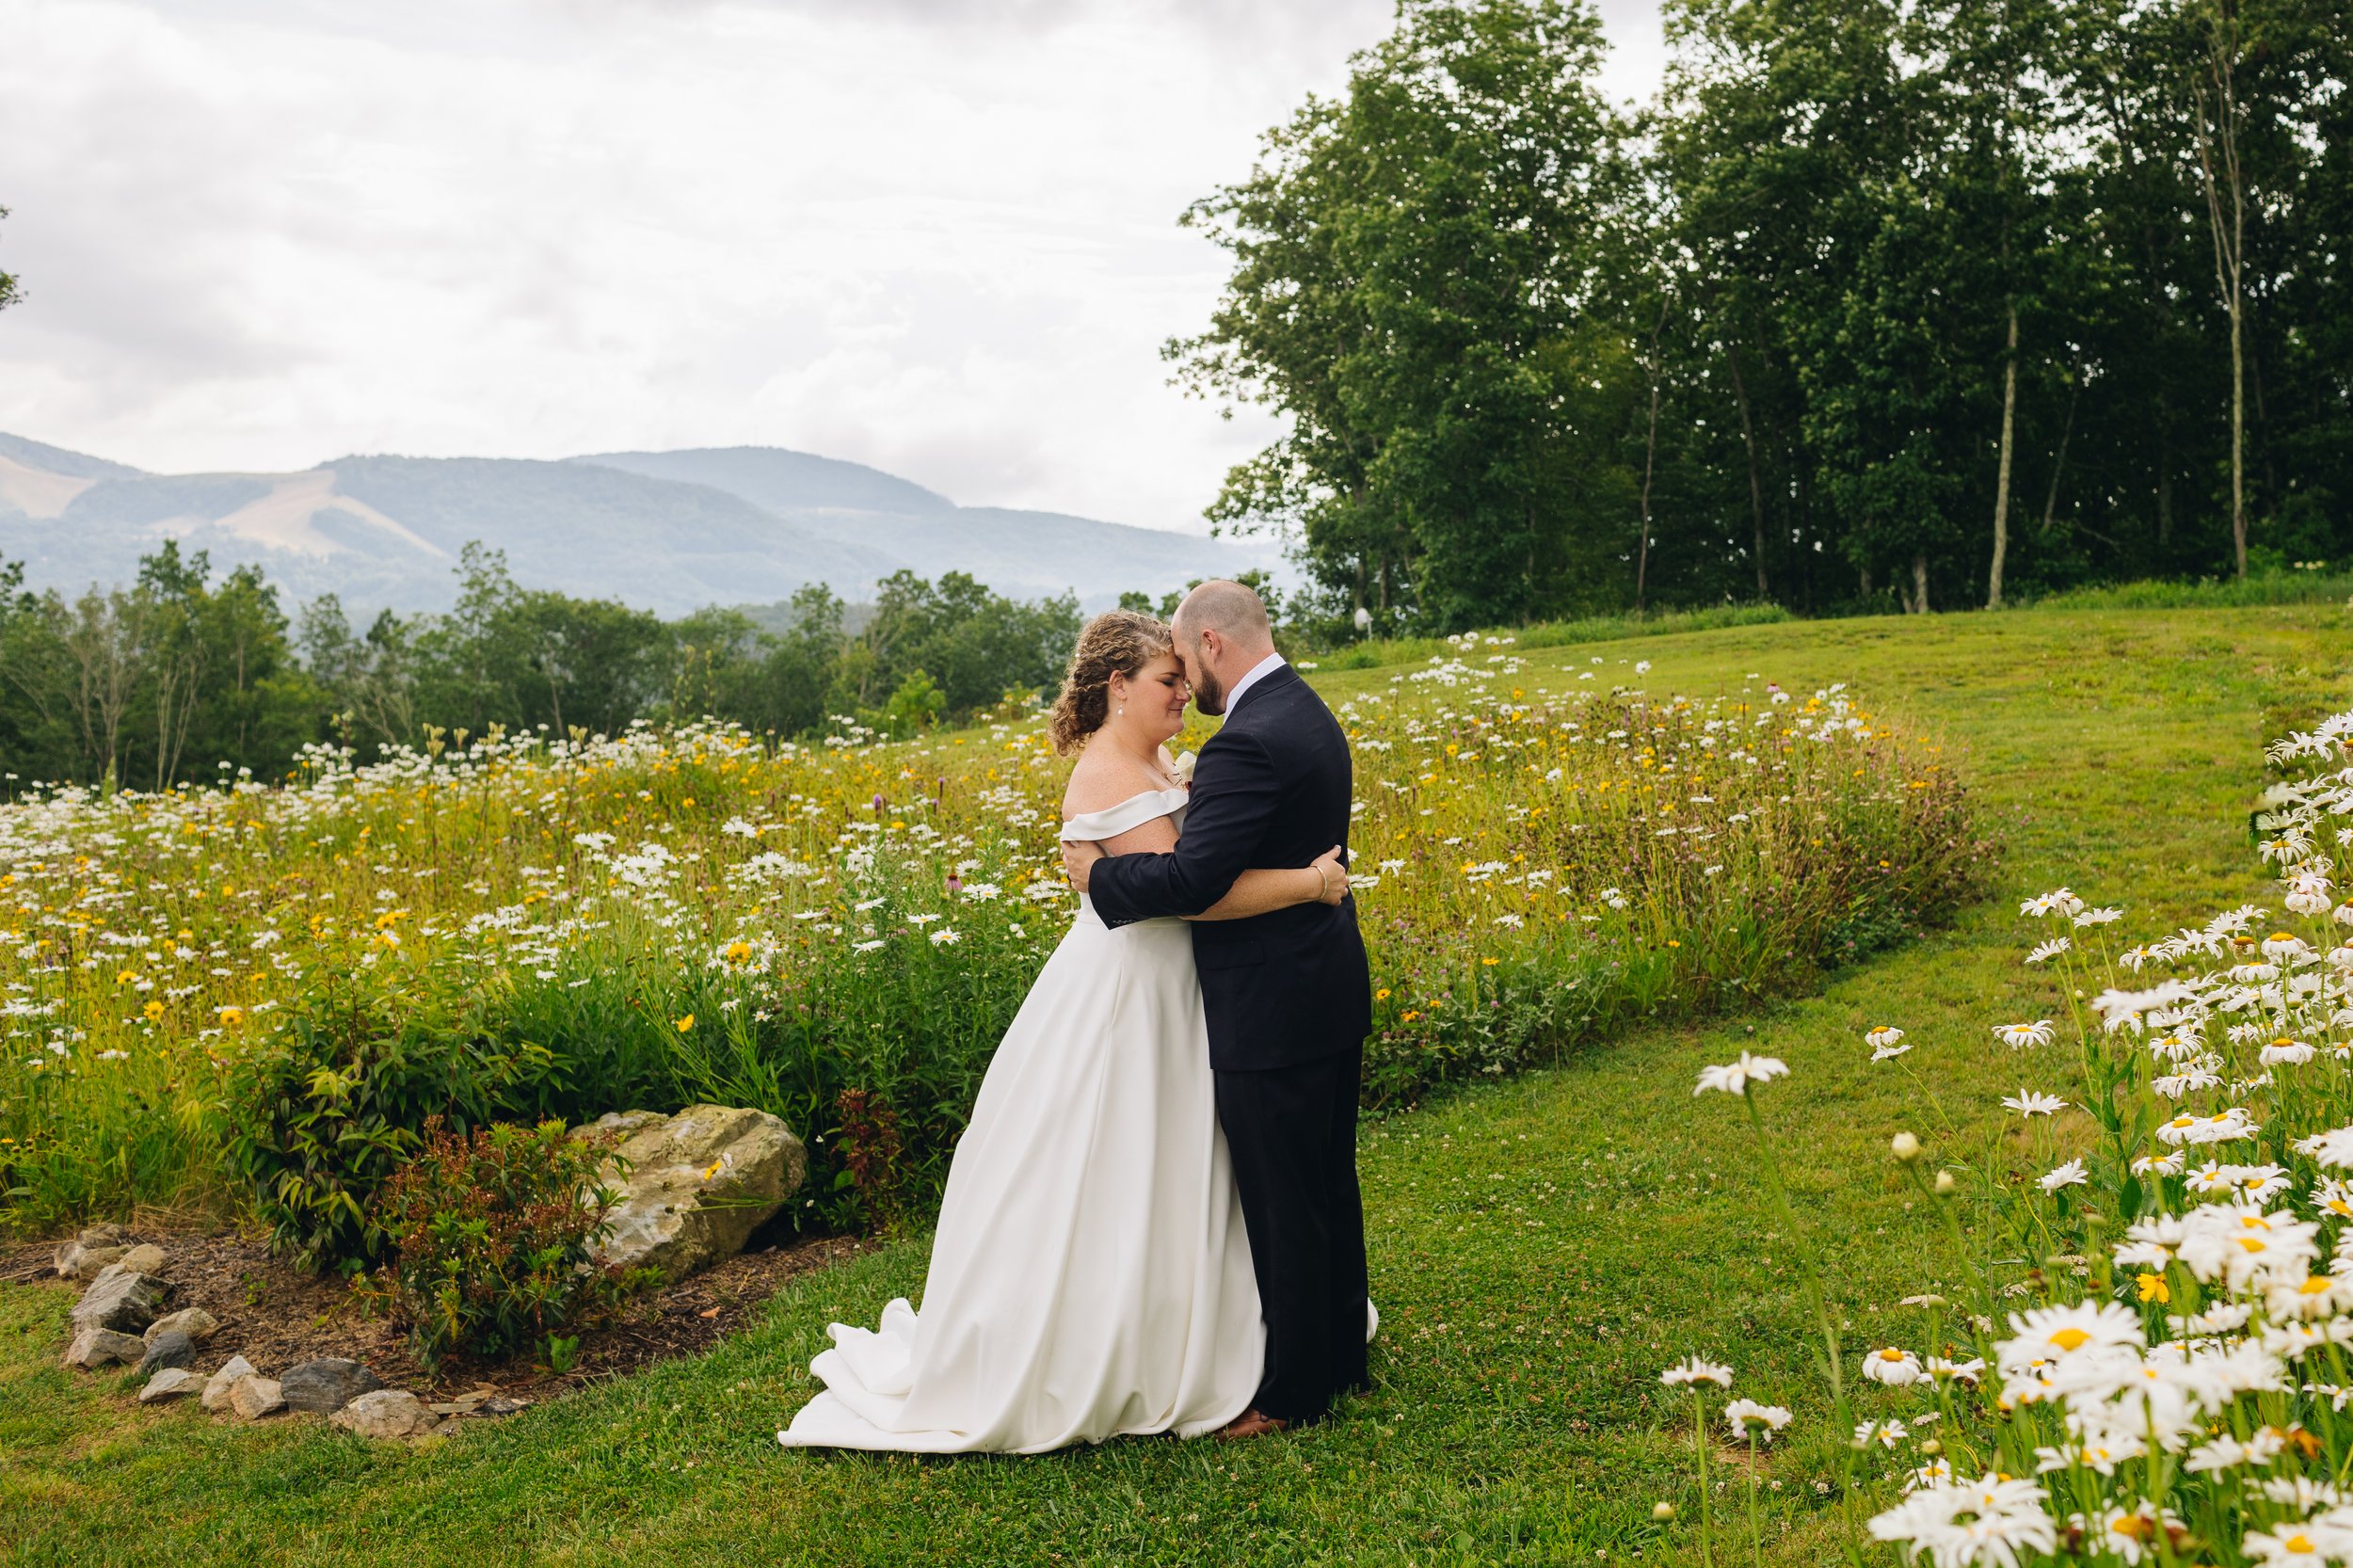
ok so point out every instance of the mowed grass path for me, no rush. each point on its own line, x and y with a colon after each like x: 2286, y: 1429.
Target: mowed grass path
x: 1542, y: 1246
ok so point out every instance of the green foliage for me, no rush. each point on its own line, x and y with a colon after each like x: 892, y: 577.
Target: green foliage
x: 491, y: 1234
x: 1873, y: 296
x: 180, y: 674
x: 7, y: 284
x: 318, y: 1115
x: 148, y: 684
x: 915, y: 707
x: 1418, y: 266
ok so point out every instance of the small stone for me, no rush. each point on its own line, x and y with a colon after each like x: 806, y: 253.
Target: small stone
x: 327, y: 1384
x: 194, y: 1321
x: 253, y: 1397
x: 76, y: 1261
x: 174, y: 1348
x: 95, y: 1347
x: 384, y: 1413
x: 217, y: 1387
x: 503, y: 1404
x: 171, y: 1383
x: 145, y: 1259
x: 122, y: 1299
x: 90, y: 1250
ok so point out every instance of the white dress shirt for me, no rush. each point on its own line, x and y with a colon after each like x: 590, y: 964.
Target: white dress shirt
x: 1258, y: 672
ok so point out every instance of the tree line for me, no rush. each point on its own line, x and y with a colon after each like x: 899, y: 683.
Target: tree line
x: 181, y: 674
x: 1878, y: 302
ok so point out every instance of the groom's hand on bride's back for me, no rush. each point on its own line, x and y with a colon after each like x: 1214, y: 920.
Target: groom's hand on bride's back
x: 1077, y: 860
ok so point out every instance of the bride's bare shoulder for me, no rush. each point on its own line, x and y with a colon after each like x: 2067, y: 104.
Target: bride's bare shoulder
x: 1104, y: 780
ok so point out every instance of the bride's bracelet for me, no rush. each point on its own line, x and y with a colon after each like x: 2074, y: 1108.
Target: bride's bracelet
x: 1323, y: 880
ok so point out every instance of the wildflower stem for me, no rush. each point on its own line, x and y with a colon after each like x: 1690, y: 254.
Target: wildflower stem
x: 1810, y: 1273
x: 1699, y: 1447
x: 1756, y: 1531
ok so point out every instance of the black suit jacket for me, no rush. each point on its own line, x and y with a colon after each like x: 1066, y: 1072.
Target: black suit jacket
x: 1271, y: 789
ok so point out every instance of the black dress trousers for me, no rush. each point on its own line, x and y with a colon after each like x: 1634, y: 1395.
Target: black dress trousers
x: 1291, y: 1131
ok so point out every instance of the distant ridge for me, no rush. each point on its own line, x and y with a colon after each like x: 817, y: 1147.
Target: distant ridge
x: 780, y: 479
x: 668, y: 530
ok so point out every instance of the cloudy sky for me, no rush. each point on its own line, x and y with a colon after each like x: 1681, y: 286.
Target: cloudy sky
x: 933, y: 236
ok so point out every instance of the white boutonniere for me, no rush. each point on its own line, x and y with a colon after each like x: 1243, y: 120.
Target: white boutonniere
x: 1182, y: 768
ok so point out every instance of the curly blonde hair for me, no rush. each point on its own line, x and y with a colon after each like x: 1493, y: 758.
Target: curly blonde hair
x: 1117, y: 642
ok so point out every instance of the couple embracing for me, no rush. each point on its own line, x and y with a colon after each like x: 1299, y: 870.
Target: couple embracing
x: 1152, y: 1222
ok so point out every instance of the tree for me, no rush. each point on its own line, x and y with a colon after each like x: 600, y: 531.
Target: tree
x: 7, y: 284
x: 2217, y: 113
x: 1413, y: 282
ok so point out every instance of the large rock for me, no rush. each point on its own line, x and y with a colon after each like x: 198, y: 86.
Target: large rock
x: 166, y: 1349
x: 94, y: 1346
x: 90, y: 1250
x: 171, y: 1383
x: 253, y: 1397
x: 217, y: 1387
x: 697, y: 1183
x: 326, y: 1386
x: 120, y: 1298
x: 386, y: 1413
x: 194, y: 1321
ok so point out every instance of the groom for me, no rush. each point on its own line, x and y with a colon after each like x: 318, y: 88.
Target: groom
x: 1286, y: 994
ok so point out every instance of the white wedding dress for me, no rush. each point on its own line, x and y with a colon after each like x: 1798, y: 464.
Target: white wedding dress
x: 1091, y: 1276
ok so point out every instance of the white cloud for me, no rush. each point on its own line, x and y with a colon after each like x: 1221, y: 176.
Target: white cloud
x: 935, y: 236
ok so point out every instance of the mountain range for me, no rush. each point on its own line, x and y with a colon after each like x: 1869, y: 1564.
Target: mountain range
x: 665, y: 531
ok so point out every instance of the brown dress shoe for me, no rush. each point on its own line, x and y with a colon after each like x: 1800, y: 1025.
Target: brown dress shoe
x: 1253, y: 1422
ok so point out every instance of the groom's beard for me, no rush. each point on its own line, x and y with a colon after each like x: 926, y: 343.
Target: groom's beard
x: 1208, y: 696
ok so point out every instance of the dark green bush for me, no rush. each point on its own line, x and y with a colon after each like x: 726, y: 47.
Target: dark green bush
x: 321, y: 1112
x: 491, y: 1232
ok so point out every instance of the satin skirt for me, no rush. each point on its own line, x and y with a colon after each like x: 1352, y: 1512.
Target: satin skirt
x: 1091, y: 1275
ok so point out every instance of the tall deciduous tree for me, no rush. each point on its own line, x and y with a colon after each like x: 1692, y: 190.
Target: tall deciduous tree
x: 1414, y: 289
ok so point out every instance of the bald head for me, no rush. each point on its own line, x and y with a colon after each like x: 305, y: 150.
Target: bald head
x: 1222, y: 633
x: 1233, y: 611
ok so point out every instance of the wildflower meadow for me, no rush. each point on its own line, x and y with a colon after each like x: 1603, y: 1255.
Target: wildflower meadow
x: 1544, y: 1241
x: 838, y: 932
x: 2140, y: 1354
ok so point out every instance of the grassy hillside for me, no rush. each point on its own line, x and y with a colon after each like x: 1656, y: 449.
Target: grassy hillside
x: 1542, y: 1246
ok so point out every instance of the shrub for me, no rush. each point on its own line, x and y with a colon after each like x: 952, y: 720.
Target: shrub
x: 491, y: 1232
x: 320, y: 1113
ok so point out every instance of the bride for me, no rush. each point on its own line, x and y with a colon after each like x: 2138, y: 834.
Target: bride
x: 1090, y: 1276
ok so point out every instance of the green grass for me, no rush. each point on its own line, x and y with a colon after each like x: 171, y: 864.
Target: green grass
x: 1377, y: 652
x: 1517, y: 1417
x: 2207, y: 593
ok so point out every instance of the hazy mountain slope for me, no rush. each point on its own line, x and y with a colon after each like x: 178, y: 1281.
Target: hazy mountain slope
x: 670, y: 532
x: 601, y: 532
x: 1020, y: 552
x: 41, y: 481
x: 781, y: 480
x: 57, y: 460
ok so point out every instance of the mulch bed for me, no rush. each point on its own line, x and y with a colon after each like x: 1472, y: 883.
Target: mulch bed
x: 276, y: 1316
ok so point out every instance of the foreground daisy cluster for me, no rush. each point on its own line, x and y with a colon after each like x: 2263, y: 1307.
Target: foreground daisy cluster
x: 2141, y: 1355
x: 657, y: 917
